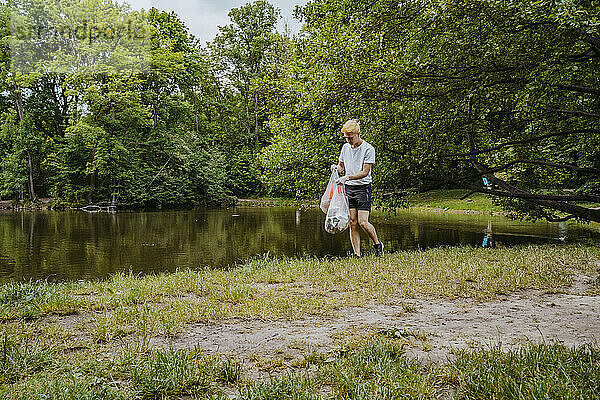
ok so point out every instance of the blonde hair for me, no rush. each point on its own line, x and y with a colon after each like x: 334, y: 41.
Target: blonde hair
x: 351, y: 126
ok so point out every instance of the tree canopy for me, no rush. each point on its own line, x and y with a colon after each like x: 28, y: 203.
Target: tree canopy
x: 449, y: 92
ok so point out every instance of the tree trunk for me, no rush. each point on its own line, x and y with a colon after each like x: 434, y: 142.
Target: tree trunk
x: 256, y: 120
x: 19, y: 102
x: 30, y: 178
x: 92, y: 180
x: 247, y: 112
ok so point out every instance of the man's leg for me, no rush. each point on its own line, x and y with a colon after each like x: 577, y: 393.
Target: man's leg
x: 363, y: 221
x: 354, y: 232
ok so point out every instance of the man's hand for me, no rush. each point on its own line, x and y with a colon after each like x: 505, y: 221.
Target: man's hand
x: 334, y: 168
x: 342, y: 180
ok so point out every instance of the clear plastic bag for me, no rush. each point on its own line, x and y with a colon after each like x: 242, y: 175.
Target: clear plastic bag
x: 338, y: 214
x: 326, y: 198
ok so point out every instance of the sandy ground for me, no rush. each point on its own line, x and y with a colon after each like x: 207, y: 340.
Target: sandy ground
x: 432, y: 329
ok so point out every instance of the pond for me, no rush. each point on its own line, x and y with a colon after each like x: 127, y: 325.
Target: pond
x: 77, y: 245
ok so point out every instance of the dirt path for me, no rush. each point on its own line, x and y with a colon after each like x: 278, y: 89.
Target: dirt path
x: 433, y: 329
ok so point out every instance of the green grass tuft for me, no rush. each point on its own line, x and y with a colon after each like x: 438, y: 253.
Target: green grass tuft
x: 20, y: 361
x: 535, y: 372
x: 286, y: 388
x: 66, y: 388
x: 169, y: 373
x: 34, y: 299
x: 379, y: 370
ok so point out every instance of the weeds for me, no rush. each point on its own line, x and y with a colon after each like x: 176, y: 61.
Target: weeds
x: 126, y: 307
x: 290, y: 387
x: 229, y: 372
x: 66, y: 388
x: 377, y: 369
x: 162, y: 304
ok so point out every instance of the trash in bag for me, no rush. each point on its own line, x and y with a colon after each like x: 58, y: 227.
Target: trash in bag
x: 326, y: 198
x: 338, y: 214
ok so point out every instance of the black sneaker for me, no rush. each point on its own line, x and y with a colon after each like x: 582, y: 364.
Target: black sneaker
x: 354, y: 255
x: 378, y: 249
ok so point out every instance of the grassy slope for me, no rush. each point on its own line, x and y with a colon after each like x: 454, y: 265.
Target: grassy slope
x: 451, y: 200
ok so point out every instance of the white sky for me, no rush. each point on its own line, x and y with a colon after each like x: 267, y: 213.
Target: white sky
x: 203, y: 16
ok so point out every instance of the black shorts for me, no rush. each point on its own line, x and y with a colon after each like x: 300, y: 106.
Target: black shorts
x: 359, y: 196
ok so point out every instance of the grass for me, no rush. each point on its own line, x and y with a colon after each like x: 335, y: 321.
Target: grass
x: 169, y: 373
x: 28, y: 300
x: 451, y: 200
x: 438, y: 200
x: 536, y: 372
x: 377, y: 369
x: 272, y: 289
x: 104, y: 349
x: 19, y: 361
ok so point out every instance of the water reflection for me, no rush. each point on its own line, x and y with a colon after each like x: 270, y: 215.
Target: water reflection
x: 78, y: 245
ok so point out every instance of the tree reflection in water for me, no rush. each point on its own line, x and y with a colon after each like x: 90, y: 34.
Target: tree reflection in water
x: 78, y: 245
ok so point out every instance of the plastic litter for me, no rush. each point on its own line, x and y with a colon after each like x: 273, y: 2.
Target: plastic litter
x: 338, y: 214
x: 326, y: 198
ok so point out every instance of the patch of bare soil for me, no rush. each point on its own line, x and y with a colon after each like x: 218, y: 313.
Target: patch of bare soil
x: 432, y: 329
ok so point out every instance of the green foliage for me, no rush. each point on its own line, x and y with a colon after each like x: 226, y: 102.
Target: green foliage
x: 297, y: 165
x: 256, y: 111
x: 282, y: 388
x: 379, y: 370
x: 243, y: 50
x: 145, y: 139
x: 67, y: 388
x: 13, y: 170
x: 243, y: 172
x: 440, y: 78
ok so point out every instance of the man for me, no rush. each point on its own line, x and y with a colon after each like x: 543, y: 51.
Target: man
x: 356, y: 158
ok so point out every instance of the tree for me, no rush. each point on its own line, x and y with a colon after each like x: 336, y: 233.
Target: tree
x: 245, y: 47
x: 453, y: 91
x: 243, y: 55
x: 115, y: 107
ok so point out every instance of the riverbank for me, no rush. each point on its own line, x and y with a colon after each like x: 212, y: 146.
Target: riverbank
x: 420, y: 323
x: 439, y: 201
x: 41, y: 204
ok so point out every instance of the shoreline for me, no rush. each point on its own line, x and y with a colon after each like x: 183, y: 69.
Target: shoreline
x: 46, y: 205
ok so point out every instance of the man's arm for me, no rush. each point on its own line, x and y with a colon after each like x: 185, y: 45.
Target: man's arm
x: 364, y: 172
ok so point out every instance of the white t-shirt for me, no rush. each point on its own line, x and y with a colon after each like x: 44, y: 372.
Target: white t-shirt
x: 354, y: 159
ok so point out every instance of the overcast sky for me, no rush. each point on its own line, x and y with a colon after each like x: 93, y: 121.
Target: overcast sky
x: 203, y: 16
